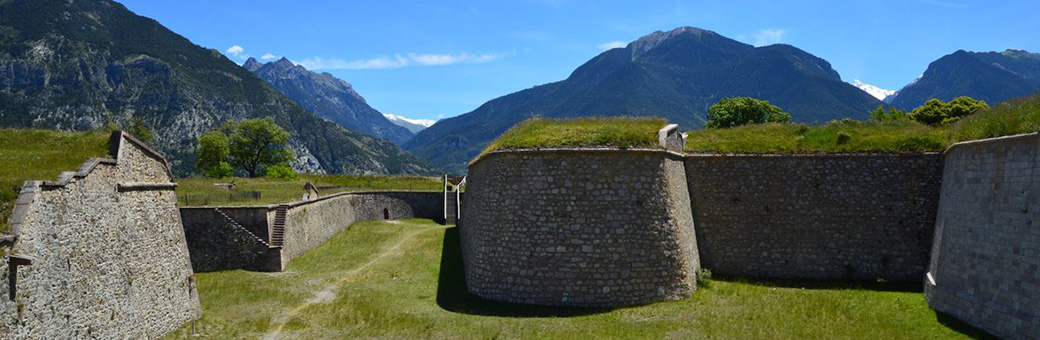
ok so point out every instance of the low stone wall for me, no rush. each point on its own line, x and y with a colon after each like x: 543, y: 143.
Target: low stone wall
x: 99, y: 253
x: 223, y: 238
x: 815, y: 216
x: 985, y: 263
x: 578, y: 228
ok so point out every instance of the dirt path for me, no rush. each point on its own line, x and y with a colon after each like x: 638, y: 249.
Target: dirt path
x: 328, y: 294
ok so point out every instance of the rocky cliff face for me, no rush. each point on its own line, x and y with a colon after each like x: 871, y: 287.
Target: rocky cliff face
x: 328, y: 97
x: 77, y: 65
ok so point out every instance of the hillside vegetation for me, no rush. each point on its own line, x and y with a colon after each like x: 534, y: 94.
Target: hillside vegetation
x: 1008, y: 118
x: 611, y: 132
x: 41, y: 155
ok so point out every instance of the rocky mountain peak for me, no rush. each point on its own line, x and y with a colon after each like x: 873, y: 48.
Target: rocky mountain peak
x: 652, y: 40
x: 252, y: 65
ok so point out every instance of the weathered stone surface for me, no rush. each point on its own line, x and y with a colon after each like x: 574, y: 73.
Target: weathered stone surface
x: 578, y: 228
x: 985, y: 263
x: 105, y: 264
x: 216, y: 243
x: 815, y: 216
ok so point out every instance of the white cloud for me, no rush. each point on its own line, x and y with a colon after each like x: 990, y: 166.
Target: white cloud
x: 769, y: 36
x: 235, y: 50
x: 612, y: 45
x: 268, y: 56
x: 397, y: 61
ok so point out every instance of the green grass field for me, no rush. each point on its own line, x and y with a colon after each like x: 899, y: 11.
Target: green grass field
x: 404, y: 280
x: 41, y: 155
x: 201, y: 191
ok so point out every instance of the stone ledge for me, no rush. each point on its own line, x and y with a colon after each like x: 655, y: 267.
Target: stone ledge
x: 145, y: 186
x: 1012, y: 138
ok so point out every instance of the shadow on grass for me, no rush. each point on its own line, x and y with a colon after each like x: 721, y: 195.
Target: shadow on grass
x: 961, y: 327
x: 904, y: 287
x: 453, y: 296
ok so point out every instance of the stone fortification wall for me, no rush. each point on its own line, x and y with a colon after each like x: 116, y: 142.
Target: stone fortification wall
x: 311, y: 223
x: 578, y: 228
x: 99, y: 253
x: 815, y: 216
x: 985, y: 263
x: 223, y: 238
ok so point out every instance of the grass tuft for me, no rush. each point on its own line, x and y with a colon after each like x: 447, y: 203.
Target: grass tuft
x: 611, y: 132
x: 32, y: 154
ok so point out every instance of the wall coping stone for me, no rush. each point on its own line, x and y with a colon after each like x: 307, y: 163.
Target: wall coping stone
x: 576, y: 150
x: 820, y: 155
x: 1024, y: 136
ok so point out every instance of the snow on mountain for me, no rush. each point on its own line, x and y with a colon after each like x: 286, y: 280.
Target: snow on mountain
x: 413, y: 125
x: 879, y: 93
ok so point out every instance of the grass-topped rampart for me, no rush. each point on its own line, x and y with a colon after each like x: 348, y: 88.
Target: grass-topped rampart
x: 1012, y: 117
x: 29, y: 154
x: 834, y: 137
x: 606, y: 132
x: 204, y: 191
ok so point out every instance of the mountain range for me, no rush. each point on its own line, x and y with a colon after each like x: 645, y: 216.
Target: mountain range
x: 990, y: 76
x: 676, y: 75
x: 328, y: 97
x: 413, y: 125
x: 77, y: 65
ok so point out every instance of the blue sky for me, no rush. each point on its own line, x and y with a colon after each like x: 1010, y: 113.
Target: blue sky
x: 435, y: 59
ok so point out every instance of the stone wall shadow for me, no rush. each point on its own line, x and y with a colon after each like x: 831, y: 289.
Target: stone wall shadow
x: 904, y: 287
x: 452, y: 295
x: 961, y: 327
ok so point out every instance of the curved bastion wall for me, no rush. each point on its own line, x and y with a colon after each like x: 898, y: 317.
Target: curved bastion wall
x: 579, y: 227
x: 985, y: 262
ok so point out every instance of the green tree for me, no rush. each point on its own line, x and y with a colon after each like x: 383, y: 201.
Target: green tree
x: 961, y: 107
x: 140, y: 131
x: 893, y: 115
x: 935, y: 112
x: 737, y: 111
x: 256, y: 144
x: 281, y: 171
x: 213, y: 154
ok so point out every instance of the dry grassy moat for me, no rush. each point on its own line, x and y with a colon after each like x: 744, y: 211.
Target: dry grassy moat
x: 403, y: 280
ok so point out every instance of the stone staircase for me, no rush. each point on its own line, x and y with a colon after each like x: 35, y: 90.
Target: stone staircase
x: 278, y: 231
x: 240, y: 227
x: 451, y: 208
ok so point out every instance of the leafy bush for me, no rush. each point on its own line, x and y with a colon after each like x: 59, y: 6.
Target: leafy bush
x: 737, y: 111
x: 935, y: 112
x: 893, y: 115
x: 282, y: 171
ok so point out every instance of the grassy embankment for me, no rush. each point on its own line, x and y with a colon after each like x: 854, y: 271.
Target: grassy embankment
x: 202, y: 191
x: 404, y: 280
x: 614, y: 132
x: 834, y: 137
x: 41, y: 155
